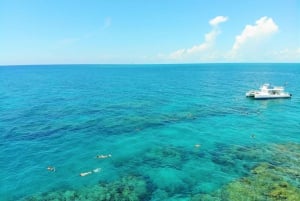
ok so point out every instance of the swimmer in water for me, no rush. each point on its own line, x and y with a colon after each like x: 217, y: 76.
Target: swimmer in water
x: 97, y: 170
x: 83, y: 174
x: 197, y: 145
x: 51, y: 169
x: 103, y: 156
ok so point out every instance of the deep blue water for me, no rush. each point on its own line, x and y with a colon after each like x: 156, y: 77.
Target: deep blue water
x: 148, y: 117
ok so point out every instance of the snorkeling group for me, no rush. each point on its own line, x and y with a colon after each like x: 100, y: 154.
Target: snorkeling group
x: 83, y: 174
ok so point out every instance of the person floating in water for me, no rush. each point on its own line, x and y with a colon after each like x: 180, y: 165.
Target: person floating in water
x: 51, y: 168
x: 97, y: 170
x: 103, y: 156
x: 83, y: 174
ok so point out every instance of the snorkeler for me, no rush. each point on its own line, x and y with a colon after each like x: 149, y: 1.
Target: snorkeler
x: 51, y: 169
x: 103, y: 156
x: 83, y: 174
x: 97, y: 170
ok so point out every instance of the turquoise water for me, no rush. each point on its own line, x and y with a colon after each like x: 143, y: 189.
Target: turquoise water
x: 148, y: 117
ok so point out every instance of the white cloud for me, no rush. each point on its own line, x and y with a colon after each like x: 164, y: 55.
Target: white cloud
x: 263, y: 27
x: 253, y: 44
x: 209, y: 40
x: 177, y: 54
x: 217, y: 20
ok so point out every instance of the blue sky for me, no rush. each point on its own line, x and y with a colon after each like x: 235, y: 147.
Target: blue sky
x: 156, y: 31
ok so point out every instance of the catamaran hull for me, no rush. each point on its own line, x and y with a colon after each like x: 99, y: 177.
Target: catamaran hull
x: 272, y: 96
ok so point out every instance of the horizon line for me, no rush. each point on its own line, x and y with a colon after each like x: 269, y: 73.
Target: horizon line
x: 115, y: 64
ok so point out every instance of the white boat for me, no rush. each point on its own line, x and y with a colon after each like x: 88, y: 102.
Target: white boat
x: 268, y: 92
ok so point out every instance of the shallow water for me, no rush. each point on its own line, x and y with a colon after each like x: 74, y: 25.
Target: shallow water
x: 149, y: 117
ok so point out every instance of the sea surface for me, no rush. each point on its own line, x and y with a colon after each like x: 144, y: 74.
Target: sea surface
x: 165, y: 132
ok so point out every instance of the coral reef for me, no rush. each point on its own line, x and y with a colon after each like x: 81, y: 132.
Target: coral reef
x: 168, y: 179
x: 170, y: 173
x: 126, y: 189
x: 275, y: 179
x: 159, y: 156
x: 264, y: 184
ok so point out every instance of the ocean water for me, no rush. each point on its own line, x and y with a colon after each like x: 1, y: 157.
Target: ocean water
x: 174, y: 132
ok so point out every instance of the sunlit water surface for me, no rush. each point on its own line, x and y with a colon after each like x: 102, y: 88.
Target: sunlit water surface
x: 180, y: 130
